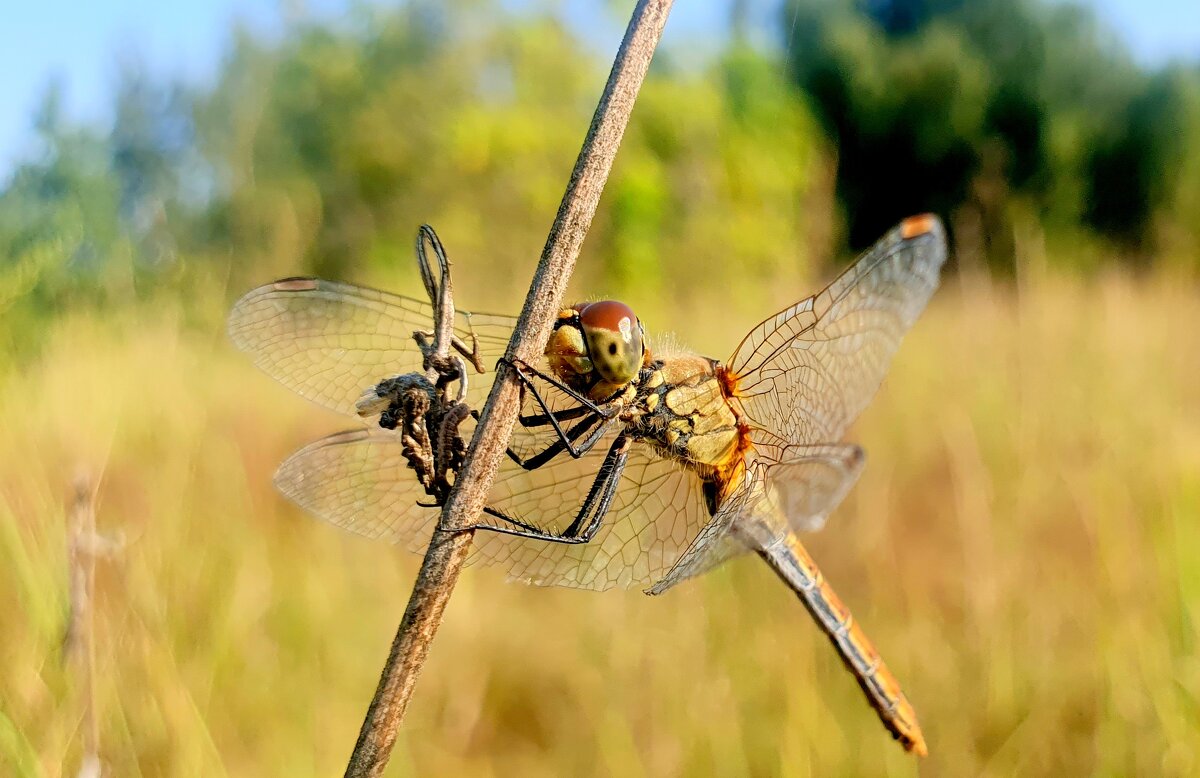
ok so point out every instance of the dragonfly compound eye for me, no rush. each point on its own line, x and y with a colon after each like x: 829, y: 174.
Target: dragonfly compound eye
x: 614, y: 340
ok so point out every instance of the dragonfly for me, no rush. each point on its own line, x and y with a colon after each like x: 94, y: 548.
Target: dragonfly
x: 629, y: 465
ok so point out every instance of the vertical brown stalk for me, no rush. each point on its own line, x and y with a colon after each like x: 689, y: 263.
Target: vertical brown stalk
x: 450, y: 545
x: 78, y: 641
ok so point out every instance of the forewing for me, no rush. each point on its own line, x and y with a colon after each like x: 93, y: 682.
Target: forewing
x: 806, y: 373
x: 329, y: 341
x: 796, y: 493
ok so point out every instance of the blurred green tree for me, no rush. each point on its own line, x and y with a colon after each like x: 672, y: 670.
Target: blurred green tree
x: 322, y: 150
x: 334, y: 145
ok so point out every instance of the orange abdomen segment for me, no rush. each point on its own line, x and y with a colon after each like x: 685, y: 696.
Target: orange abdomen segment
x: 791, y: 561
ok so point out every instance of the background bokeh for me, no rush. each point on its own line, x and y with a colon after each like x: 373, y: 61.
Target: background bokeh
x: 1024, y: 545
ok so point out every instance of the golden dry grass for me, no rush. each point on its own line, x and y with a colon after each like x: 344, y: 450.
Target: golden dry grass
x: 1024, y: 548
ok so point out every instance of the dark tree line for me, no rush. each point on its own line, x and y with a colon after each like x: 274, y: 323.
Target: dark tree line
x: 971, y: 105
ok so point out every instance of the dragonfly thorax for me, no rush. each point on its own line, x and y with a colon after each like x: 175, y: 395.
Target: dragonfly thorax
x: 683, y: 410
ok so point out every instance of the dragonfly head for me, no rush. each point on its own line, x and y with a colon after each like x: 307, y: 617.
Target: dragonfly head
x: 602, y: 337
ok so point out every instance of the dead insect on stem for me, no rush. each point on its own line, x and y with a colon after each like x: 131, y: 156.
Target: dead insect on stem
x: 420, y: 406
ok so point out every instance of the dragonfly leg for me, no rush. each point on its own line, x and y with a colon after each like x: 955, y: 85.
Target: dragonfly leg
x: 614, y: 465
x: 566, y: 439
x: 566, y: 443
x: 524, y: 370
x: 545, y: 419
x: 591, y: 513
x: 585, y: 407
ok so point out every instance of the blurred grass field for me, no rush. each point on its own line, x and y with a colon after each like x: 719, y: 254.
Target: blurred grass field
x: 1023, y: 547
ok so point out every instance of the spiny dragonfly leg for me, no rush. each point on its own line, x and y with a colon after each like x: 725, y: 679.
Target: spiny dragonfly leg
x: 566, y: 439
x: 601, y: 494
x: 565, y: 442
x: 545, y: 419
x: 591, y: 513
x: 524, y: 370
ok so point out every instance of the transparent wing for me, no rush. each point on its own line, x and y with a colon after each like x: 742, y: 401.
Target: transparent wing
x: 717, y: 542
x: 359, y: 480
x: 806, y: 373
x: 329, y: 341
x: 796, y: 493
x: 811, y: 482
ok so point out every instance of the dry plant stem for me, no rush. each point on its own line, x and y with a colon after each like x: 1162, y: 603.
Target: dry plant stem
x: 450, y: 545
x: 78, y: 642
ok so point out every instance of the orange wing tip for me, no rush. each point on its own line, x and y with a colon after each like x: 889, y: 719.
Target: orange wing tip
x: 916, y: 226
x: 296, y: 284
x: 915, y: 743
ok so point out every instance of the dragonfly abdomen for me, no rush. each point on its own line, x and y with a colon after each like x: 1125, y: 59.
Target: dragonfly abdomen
x: 791, y: 561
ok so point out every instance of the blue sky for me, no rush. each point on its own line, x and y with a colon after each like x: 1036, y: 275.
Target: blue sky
x: 80, y: 43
